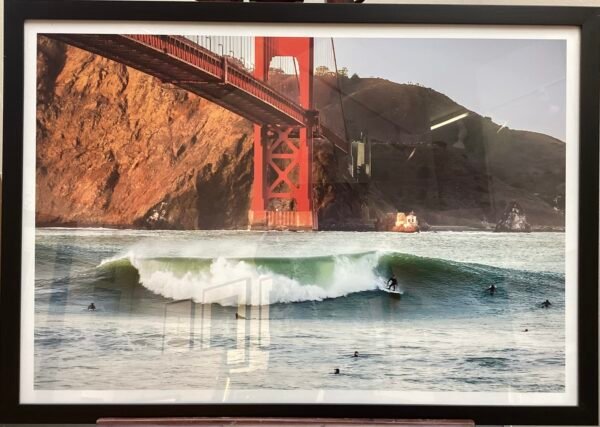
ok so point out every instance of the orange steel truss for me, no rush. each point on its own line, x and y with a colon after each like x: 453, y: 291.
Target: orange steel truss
x: 282, y: 189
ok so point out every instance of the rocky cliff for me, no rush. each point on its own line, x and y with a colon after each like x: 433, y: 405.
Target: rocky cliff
x: 464, y: 173
x: 116, y: 147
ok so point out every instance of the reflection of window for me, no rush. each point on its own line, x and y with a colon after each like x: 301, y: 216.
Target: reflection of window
x: 253, y: 299
x: 178, y: 326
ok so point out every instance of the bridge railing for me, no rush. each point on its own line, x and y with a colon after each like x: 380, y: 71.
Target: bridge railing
x: 200, y: 58
x: 223, y: 70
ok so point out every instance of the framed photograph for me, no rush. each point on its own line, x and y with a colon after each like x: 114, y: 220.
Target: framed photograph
x: 303, y: 210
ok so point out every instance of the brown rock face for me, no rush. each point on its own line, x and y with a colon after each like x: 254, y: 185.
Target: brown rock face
x: 116, y: 147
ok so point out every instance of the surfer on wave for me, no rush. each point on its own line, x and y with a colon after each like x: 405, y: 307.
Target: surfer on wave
x: 392, y: 283
x: 91, y: 307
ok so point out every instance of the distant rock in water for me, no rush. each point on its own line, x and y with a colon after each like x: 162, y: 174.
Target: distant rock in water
x: 513, y: 220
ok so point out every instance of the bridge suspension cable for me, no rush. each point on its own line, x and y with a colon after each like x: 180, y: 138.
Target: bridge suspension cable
x: 238, y: 48
x: 339, y: 91
x: 328, y: 87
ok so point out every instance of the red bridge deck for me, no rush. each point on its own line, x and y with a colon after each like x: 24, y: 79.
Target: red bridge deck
x: 177, y: 60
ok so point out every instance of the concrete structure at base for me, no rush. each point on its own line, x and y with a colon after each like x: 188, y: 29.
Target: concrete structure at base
x: 283, y: 220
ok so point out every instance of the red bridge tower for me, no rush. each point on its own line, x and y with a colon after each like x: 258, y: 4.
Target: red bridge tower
x: 282, y: 189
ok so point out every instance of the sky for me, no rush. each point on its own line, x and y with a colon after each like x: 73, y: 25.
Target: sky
x: 519, y: 83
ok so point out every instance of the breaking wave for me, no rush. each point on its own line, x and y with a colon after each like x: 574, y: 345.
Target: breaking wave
x: 219, y: 280
x: 260, y: 281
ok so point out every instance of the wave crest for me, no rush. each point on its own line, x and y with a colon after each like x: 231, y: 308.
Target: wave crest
x: 227, y: 281
x: 262, y: 281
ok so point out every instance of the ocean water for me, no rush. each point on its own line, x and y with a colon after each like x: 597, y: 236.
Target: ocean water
x: 281, y: 310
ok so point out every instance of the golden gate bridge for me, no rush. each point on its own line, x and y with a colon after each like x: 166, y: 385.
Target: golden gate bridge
x: 267, y: 80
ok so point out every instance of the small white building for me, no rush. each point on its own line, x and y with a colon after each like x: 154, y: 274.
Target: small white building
x: 411, y: 219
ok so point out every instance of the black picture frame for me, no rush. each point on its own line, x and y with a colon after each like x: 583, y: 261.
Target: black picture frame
x: 19, y: 11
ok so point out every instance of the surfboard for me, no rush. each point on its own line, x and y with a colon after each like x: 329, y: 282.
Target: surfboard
x: 394, y: 292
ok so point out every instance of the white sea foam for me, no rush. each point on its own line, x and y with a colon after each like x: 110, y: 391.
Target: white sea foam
x: 233, y: 281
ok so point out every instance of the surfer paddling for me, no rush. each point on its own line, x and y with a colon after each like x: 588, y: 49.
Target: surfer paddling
x: 91, y: 307
x: 392, y: 283
x: 492, y: 289
x: 546, y: 304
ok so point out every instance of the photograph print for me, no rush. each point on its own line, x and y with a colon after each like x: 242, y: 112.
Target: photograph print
x: 264, y: 216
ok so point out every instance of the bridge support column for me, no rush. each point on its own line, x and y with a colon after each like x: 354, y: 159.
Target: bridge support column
x: 282, y: 189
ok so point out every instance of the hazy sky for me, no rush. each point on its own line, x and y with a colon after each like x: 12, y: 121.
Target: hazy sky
x: 518, y: 82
